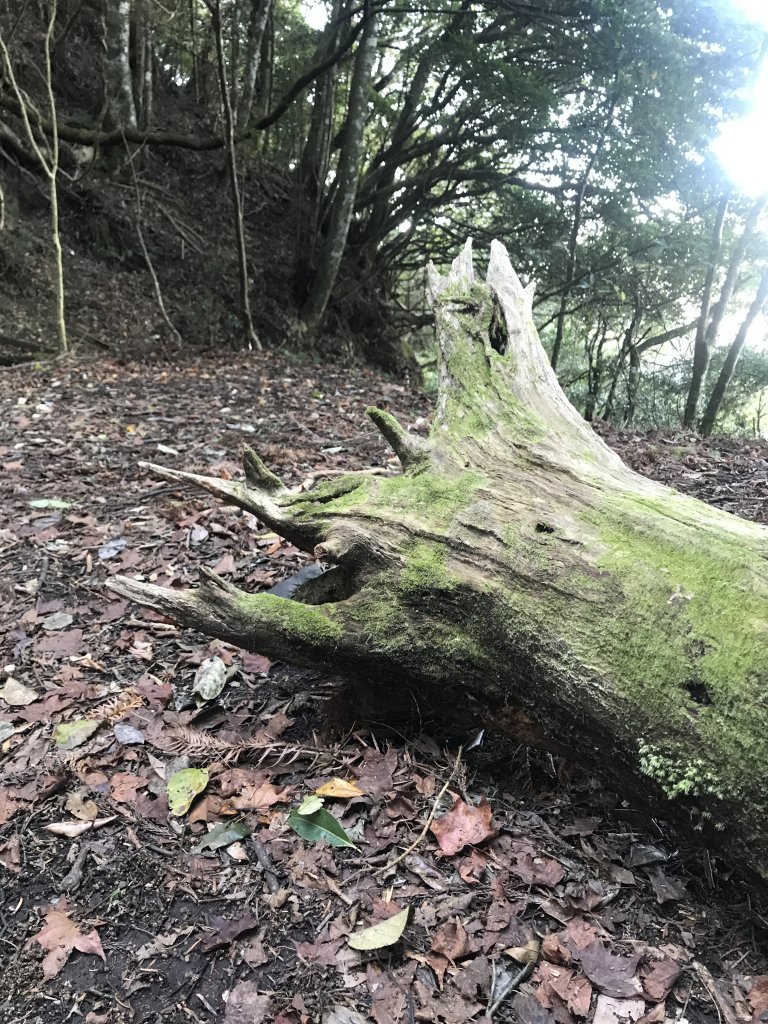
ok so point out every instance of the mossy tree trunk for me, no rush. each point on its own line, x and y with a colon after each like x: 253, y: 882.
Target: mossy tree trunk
x: 516, y: 560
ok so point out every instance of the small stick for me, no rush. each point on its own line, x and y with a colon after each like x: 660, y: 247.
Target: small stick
x: 419, y: 839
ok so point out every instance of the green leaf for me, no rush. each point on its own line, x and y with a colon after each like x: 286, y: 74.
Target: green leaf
x: 223, y: 834
x: 319, y: 827
x: 71, y: 734
x: 385, y: 933
x: 310, y: 804
x: 49, y: 503
x: 183, y: 786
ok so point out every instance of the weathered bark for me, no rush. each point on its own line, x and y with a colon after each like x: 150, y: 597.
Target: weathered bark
x: 517, y: 561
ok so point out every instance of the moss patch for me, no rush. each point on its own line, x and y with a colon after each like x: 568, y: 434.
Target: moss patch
x: 425, y: 569
x: 427, y: 496
x: 308, y: 624
x: 688, y: 639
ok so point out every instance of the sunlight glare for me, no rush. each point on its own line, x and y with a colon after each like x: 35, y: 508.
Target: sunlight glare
x: 742, y: 146
x: 314, y: 13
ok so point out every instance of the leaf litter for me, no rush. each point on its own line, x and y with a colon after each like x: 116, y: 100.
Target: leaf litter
x: 535, y: 893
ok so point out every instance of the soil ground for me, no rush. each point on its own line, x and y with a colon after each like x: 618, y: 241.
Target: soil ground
x: 111, y: 910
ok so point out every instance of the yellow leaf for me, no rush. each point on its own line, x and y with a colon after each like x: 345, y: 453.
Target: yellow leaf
x: 183, y: 786
x: 385, y: 933
x: 340, y: 789
x: 527, y: 954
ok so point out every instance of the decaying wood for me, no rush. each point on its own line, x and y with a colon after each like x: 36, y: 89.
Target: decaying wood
x: 517, y: 561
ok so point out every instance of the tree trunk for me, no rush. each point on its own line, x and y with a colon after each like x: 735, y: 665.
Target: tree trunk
x: 701, y: 342
x: 732, y: 358
x: 516, y: 561
x: 121, y: 110
x: 315, y: 159
x: 346, y: 179
x: 260, y: 11
x: 250, y: 337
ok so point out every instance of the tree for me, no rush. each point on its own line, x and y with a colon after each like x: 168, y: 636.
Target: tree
x: 517, y: 561
x: 346, y: 180
x: 47, y: 158
x: 732, y: 357
x: 120, y: 103
x: 250, y: 337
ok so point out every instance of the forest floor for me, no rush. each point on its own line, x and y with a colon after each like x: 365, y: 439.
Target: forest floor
x: 537, y: 894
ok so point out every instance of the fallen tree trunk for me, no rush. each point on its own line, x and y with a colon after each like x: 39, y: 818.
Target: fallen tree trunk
x: 518, y: 561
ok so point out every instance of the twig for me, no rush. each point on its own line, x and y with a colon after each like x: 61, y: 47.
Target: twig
x: 510, y: 987
x: 718, y: 999
x: 421, y: 836
x: 265, y: 862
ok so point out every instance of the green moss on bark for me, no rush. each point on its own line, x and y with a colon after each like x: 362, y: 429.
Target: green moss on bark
x: 688, y: 639
x: 427, y: 496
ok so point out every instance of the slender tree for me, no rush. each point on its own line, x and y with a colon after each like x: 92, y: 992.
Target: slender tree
x: 48, y: 159
x: 346, y: 177
x: 249, y: 334
x: 715, y: 402
x: 257, y: 24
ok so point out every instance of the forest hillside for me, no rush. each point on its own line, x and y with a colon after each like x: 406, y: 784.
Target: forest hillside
x: 230, y: 173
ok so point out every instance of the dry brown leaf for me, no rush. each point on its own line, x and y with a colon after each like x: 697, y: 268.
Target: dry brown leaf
x: 81, y: 807
x: 60, y: 935
x: 463, y: 826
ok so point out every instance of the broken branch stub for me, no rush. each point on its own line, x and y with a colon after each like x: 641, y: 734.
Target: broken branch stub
x: 517, y: 562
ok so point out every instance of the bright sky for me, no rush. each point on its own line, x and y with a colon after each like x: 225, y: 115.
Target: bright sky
x: 742, y: 147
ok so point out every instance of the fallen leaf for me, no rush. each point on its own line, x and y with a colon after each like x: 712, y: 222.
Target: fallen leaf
x: 246, y: 1005
x: 69, y: 735
x: 381, y: 934
x: 618, y: 1011
x: 224, y: 930
x: 60, y: 935
x: 319, y: 827
x: 17, y: 694
x: 463, y: 826
x: 210, y: 678
x: 340, y: 789
x: 183, y: 786
x: 73, y: 829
